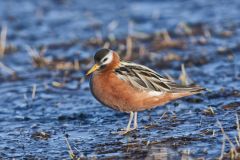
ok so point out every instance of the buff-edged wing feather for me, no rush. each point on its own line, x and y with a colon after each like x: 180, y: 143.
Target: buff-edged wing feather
x: 144, y: 78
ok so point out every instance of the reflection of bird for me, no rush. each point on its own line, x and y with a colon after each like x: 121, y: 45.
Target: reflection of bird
x: 130, y: 87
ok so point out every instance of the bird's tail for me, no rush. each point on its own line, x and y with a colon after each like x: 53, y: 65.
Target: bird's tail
x: 175, y: 88
x: 179, y: 91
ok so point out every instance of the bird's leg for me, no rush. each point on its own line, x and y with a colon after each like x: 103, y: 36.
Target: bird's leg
x: 128, y: 129
x: 130, y: 121
x: 135, y: 121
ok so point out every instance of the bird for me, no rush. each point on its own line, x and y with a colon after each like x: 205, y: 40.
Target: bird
x: 130, y: 87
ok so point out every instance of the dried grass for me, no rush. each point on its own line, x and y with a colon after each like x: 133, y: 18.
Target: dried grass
x: 234, y: 152
x: 3, y: 39
x: 71, y: 153
x: 7, y: 69
x: 43, y: 62
x: 184, y: 78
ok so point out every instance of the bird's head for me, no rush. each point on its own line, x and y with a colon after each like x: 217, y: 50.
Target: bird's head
x: 104, y: 59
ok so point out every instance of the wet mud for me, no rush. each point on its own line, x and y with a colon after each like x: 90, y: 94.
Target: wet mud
x: 48, y: 112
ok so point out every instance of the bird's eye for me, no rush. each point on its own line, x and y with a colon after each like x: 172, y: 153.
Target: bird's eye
x: 104, y: 60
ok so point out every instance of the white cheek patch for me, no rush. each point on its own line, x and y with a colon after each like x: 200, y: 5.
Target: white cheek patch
x: 109, y: 57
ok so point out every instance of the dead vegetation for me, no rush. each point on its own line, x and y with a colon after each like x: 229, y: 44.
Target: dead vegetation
x: 72, y: 154
x: 163, y: 40
x: 7, y: 72
x: 136, y: 45
x: 209, y: 111
x: 3, y: 39
x: 184, y: 78
x: 155, y: 42
x: 234, y: 152
x: 4, y: 47
x: 40, y: 61
x: 7, y: 69
x: 232, y: 105
x: 41, y: 135
x: 127, y: 47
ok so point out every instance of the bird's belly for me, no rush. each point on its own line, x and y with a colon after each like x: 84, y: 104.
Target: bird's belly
x: 111, y: 96
x: 122, y: 96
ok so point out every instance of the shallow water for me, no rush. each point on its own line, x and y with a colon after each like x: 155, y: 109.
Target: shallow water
x: 34, y: 127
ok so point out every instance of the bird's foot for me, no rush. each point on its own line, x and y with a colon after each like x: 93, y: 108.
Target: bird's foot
x: 126, y: 131
x: 135, y: 127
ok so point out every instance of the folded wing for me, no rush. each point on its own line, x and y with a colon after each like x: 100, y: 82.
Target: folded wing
x: 144, y: 78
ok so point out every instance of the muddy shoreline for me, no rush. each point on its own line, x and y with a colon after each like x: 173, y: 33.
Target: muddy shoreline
x: 45, y: 95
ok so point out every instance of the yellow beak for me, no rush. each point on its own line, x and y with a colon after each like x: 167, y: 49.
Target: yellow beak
x: 94, y: 68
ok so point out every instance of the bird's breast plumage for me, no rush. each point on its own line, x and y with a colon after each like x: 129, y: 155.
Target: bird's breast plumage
x: 119, y: 95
